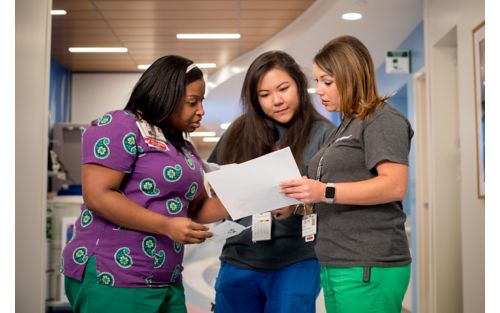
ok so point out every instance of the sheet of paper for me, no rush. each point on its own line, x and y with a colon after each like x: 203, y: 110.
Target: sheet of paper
x: 252, y: 187
x: 226, y: 229
x: 211, y: 167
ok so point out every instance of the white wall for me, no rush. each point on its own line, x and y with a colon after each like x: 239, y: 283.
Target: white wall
x: 32, y: 109
x: 464, y: 253
x: 92, y: 95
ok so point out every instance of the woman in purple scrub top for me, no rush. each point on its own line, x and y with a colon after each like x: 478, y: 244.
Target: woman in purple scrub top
x: 144, y: 197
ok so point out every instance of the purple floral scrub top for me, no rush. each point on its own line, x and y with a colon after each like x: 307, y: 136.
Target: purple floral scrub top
x: 161, y: 181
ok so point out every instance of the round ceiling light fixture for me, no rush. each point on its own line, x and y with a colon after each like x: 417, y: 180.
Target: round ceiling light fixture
x: 352, y: 16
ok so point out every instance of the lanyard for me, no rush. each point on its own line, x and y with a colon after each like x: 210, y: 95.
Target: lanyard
x: 338, y: 133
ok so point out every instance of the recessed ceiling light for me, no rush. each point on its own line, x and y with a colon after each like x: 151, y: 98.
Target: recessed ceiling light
x: 208, y: 36
x: 311, y: 90
x: 143, y: 66
x: 237, y: 69
x: 352, y: 16
x: 97, y: 49
x: 202, y: 134
x: 225, y: 125
x: 58, y: 12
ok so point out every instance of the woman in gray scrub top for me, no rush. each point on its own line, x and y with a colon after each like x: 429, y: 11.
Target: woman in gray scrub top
x: 357, y: 183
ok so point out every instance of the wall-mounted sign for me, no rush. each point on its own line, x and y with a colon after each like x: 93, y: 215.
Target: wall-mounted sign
x: 397, y: 62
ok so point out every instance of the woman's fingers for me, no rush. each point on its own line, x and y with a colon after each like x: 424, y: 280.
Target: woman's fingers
x: 294, y: 185
x: 196, y: 236
x: 291, y: 191
x: 185, y: 231
x: 196, y: 226
x: 300, y: 193
x: 302, y: 189
x: 199, y: 232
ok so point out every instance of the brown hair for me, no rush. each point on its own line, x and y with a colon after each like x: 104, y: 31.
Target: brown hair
x: 254, y: 134
x: 348, y: 61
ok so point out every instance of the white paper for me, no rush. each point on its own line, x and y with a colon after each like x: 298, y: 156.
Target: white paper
x: 252, y: 187
x: 226, y: 229
x: 210, y: 167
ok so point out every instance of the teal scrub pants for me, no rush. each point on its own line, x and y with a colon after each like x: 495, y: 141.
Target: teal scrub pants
x: 87, y: 296
x: 364, y: 290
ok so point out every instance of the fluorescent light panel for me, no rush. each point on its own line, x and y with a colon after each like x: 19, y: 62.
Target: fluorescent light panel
x: 211, y: 139
x: 206, y: 65
x: 202, y: 134
x: 97, y: 49
x: 208, y: 36
x: 199, y: 65
x: 58, y: 12
x: 311, y: 90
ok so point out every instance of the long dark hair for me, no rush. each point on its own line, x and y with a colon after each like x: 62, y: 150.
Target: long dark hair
x: 160, y: 91
x: 254, y: 134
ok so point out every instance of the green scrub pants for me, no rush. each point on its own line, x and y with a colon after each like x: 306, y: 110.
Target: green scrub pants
x: 364, y: 289
x: 87, y: 296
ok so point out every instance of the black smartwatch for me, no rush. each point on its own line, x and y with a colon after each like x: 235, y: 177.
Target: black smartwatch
x: 330, y: 192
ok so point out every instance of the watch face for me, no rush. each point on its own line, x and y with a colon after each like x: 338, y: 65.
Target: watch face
x: 330, y: 192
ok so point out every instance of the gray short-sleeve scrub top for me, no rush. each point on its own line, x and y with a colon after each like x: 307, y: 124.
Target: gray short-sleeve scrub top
x: 362, y: 235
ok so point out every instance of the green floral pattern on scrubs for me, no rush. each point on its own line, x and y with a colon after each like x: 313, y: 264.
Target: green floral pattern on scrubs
x: 163, y: 181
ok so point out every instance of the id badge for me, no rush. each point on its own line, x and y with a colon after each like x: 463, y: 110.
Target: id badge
x: 153, y: 136
x: 261, y: 226
x: 309, y: 224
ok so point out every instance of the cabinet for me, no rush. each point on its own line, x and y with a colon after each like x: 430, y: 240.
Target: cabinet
x: 67, y: 145
x: 62, y: 212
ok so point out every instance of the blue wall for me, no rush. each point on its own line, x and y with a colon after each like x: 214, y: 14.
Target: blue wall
x: 402, y: 84
x: 389, y: 83
x: 59, y: 94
